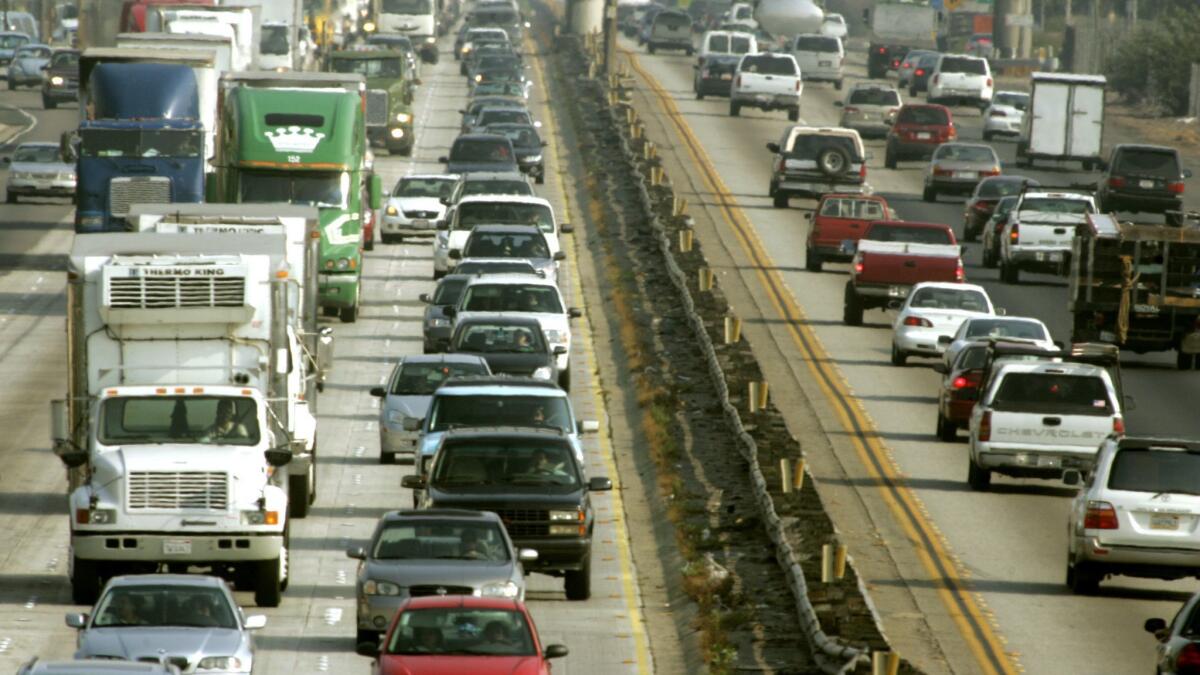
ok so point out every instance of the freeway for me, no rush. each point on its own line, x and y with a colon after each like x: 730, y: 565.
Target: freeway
x: 313, y: 630
x: 964, y: 582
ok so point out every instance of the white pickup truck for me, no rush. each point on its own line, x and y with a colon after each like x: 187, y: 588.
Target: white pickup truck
x: 1039, y: 232
x: 767, y: 82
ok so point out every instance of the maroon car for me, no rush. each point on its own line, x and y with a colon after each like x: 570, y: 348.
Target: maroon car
x: 960, y: 389
x: 982, y: 202
x: 917, y: 131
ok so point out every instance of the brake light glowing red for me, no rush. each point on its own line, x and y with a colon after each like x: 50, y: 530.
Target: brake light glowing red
x: 906, y: 64
x: 960, y: 382
x: 1014, y: 235
x: 1118, y: 425
x: 939, y: 171
x: 1175, y: 188
x: 985, y: 426
x: 862, y: 171
x: 917, y: 321
x: 1116, y: 182
x: 960, y: 275
x: 883, y: 50
x: 989, y: 82
x: 1100, y: 516
x: 858, y: 267
x: 920, y: 71
x: 983, y: 206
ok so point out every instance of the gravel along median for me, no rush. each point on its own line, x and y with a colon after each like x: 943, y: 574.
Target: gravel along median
x: 753, y: 553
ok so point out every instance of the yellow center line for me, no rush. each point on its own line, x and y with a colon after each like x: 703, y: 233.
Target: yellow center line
x: 628, y: 588
x: 980, y: 635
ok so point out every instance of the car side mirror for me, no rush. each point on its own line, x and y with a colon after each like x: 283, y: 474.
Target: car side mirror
x: 462, y: 112
x: 444, y: 200
x: 587, y: 426
x: 560, y: 350
x: 1072, y: 477
x: 556, y: 651
x: 527, y: 555
x: 77, y: 620
x: 944, y: 340
x: 1130, y: 402
x: 356, y: 552
x: 444, y: 159
x: 424, y: 297
x: 773, y: 147
x: 443, y: 225
x: 574, y: 312
x: 559, y: 255
x: 280, y: 456
x: 939, y: 367
x: 599, y: 484
x: 566, y: 228
x: 837, y: 104
x: 5, y: 160
x: 544, y: 144
x: 1155, y: 626
x: 378, y: 392
x: 1187, y: 173
x: 455, y: 254
x: 413, y: 482
x: 370, y: 649
x: 413, y: 423
x: 895, y: 303
x: 255, y: 621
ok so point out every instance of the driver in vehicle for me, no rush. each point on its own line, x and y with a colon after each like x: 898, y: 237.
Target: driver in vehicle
x: 225, y: 425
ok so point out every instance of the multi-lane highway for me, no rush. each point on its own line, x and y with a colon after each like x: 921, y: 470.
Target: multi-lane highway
x: 964, y: 582
x: 313, y: 629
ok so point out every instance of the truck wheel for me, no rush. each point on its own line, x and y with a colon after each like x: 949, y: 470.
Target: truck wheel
x: 268, y: 581
x: 1185, y: 361
x: 734, y: 109
x: 794, y: 114
x: 564, y: 379
x: 349, y: 314
x: 1089, y: 165
x: 780, y: 199
x: 11, y: 198
x: 699, y: 93
x: 1082, y: 579
x: 979, y: 479
x: 363, y: 635
x: 812, y: 260
x: 387, y: 457
x: 1009, y: 273
x: 989, y: 257
x: 85, y: 581
x: 929, y: 194
x: 889, y: 158
x: 912, y: 91
x: 946, y: 432
x: 899, y: 358
x: 298, y: 496
x: 369, y: 245
x: 541, y: 178
x: 852, y: 309
x: 987, y: 135
x: 329, y: 311
x: 49, y: 104
x: 578, y: 584
x: 690, y: 51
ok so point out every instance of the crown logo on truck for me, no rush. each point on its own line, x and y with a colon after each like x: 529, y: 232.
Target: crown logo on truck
x: 294, y: 139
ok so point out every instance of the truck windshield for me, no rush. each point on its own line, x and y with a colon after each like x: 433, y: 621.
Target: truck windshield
x: 1053, y: 393
x: 382, y: 67
x: 215, y: 420
x: 517, y: 461
x: 274, y: 40
x: 136, y: 143
x: 407, y: 7
x: 500, y: 410
x: 317, y: 188
x: 504, y: 213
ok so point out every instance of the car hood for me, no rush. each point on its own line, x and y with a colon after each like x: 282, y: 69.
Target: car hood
x: 448, y: 572
x: 135, y: 643
x: 42, y: 167
x: 418, y: 204
x: 410, y: 405
x: 414, y: 664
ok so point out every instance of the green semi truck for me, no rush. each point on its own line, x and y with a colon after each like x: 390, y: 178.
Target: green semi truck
x: 301, y: 138
x: 386, y: 71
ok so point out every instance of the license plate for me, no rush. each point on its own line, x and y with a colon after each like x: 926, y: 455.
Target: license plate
x: 1049, y: 462
x: 924, y: 135
x: 727, y: 76
x: 1146, y: 184
x: 897, y: 291
x: 1108, y: 336
x: 422, y: 223
x: 762, y: 98
x: 1054, y: 256
x: 1146, y: 309
x: 1164, y: 521
x: 966, y: 174
x: 177, y: 547
x: 824, y: 64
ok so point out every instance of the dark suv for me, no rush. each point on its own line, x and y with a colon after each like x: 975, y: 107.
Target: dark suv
x: 61, y: 84
x: 917, y: 131
x: 532, y: 478
x: 1144, y: 179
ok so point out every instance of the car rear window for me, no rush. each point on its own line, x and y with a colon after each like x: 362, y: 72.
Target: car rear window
x: 862, y: 209
x: 816, y: 43
x: 766, y: 64
x: 971, y: 358
x: 1052, y: 205
x: 983, y: 328
x: 909, y: 235
x: 808, y: 146
x: 741, y: 44
x: 1150, y: 470
x: 718, y: 43
x: 497, y: 187
x: 874, y: 97
x: 421, y: 379
x: 481, y: 150
x: 966, y: 153
x: 949, y: 298
x: 923, y: 115
x: 958, y: 64
x: 1053, y: 393
x: 1158, y: 163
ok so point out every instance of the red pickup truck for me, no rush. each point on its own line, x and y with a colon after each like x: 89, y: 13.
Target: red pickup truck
x: 894, y: 255
x: 840, y: 218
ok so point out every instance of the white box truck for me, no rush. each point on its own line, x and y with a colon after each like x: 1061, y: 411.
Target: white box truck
x: 1064, y: 121
x: 174, y: 428
x: 310, y: 347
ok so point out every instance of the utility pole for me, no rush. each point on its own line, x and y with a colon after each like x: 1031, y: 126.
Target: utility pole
x: 610, y: 36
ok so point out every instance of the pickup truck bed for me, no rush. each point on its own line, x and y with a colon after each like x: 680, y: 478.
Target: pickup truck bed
x: 893, y: 256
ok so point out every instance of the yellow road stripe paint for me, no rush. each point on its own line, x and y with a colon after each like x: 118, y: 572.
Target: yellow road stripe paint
x: 980, y: 635
x: 629, y: 591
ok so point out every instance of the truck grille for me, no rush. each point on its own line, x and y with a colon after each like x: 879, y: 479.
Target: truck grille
x: 125, y: 191
x: 377, y: 108
x: 170, y: 292
x: 525, y: 522
x: 207, y: 490
x: 434, y: 589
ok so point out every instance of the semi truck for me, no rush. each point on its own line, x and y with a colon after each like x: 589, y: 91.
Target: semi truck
x: 898, y: 27
x: 301, y: 138
x: 142, y: 134
x: 385, y: 71
x: 420, y: 20
x: 310, y: 347
x: 174, y: 426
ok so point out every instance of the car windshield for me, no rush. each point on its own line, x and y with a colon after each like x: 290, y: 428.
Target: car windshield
x: 461, y: 631
x: 1018, y: 101
x: 499, y: 89
x: 501, y: 410
x: 874, y: 96
x: 1155, y: 471
x: 213, y: 420
x: 427, y: 539
x: 33, y: 53
x: 421, y: 379
x: 1157, y: 163
x: 517, y: 461
x: 504, y: 213
x: 909, y: 235
x: 949, y: 298
x: 979, y: 154
x: 535, y: 298
x: 958, y: 64
x: 315, y: 188
x: 850, y: 207
x: 435, y: 188
x: 984, y: 328
x: 407, y: 7
x: 923, y: 115
x: 506, y: 245
x: 1052, y: 393
x: 1054, y: 205
x: 274, y: 39
x: 384, y: 66
x: 12, y: 41
x: 492, y: 186
x: 133, y: 143
x: 448, y: 291
x: 481, y: 150
x: 994, y: 188
x: 817, y: 43
x: 502, y: 116
x: 160, y: 605
x: 37, y: 154
x: 488, y: 338
x: 494, y: 267
x: 766, y: 64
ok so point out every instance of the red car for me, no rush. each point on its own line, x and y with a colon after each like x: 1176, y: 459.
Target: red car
x: 839, y: 218
x: 960, y: 389
x: 917, y: 131
x: 461, y: 634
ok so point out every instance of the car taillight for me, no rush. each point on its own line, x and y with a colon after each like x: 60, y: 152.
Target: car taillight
x: 917, y: 321
x: 983, y: 206
x: 939, y: 171
x: 906, y: 64
x: 1188, y: 661
x: 895, y: 63
x: 997, y: 113
x: 989, y: 82
x: 858, y: 266
x: 985, y: 426
x: 1014, y: 235
x: 960, y: 382
x: 797, y: 84
x: 862, y: 171
x: 951, y: 133
x: 960, y: 275
x: 968, y: 380
x: 920, y: 71
x: 1100, y: 516
x: 850, y: 109
x: 1118, y: 425
x: 1116, y: 182
x: 1175, y: 188
x: 994, y: 171
x: 883, y: 50
x: 936, y: 78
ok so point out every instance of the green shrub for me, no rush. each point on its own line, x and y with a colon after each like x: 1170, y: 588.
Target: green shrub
x: 1153, y: 62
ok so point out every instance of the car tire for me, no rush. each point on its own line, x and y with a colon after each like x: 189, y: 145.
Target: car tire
x: 946, y: 432
x: 899, y: 358
x: 268, y: 582
x: 889, y: 158
x: 735, y: 109
x: 699, y: 94
x: 812, y: 260
x: 1083, y: 579
x: 987, y: 135
x: 348, y: 314
x: 85, y: 581
x: 10, y: 198
x: 48, y: 104
x: 578, y: 583
x: 369, y: 245
x: 929, y: 194
x: 388, y: 457
x: 541, y: 179
x: 298, y: 496
x: 794, y: 114
x: 650, y: 48
x: 1009, y: 273
x: 989, y: 257
x: 852, y: 309
x: 837, y: 85
x: 979, y: 478
x: 780, y: 199
x: 1185, y: 361
x: 564, y: 378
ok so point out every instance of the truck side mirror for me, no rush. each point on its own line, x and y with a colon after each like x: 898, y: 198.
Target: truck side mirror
x: 60, y: 436
x: 1187, y: 173
x: 280, y: 456
x: 79, y: 620
x: 566, y: 228
x: 424, y: 297
x: 599, y: 484
x: 5, y: 160
x: 378, y: 392
x: 356, y: 553
x: 455, y: 254
x: 559, y: 255
x: 773, y: 147
x: 944, y: 339
x: 370, y: 649
x: 412, y: 482
x: 939, y: 367
x: 376, y: 188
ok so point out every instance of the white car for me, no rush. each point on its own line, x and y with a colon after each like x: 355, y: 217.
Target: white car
x: 958, y: 79
x: 984, y: 327
x: 524, y: 295
x: 491, y: 210
x: 1136, y: 514
x: 834, y: 26
x: 931, y: 310
x: 1005, y: 114
x: 415, y: 206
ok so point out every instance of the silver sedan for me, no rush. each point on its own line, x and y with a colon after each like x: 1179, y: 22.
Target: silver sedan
x: 37, y: 170
x: 958, y: 167
x: 190, y: 621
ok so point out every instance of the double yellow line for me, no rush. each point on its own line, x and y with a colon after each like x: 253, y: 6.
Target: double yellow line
x: 978, y: 632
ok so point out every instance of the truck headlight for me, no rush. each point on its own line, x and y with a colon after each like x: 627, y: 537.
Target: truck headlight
x: 56, y: 81
x: 430, y: 40
x: 224, y: 664
x: 403, y: 118
x: 373, y: 587
x: 96, y: 516
x: 566, y: 515
x: 343, y: 263
x: 499, y: 590
x: 544, y: 373
x: 439, y: 322
x: 260, y: 517
x: 534, y: 159
x: 397, y: 133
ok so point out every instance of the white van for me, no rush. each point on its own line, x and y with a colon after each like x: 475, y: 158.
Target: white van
x: 821, y: 58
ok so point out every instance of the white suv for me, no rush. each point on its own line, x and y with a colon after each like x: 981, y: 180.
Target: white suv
x: 1136, y: 514
x: 959, y: 79
x: 1038, y: 418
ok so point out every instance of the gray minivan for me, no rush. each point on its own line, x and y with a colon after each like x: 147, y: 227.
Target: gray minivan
x: 671, y: 29
x: 820, y: 57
